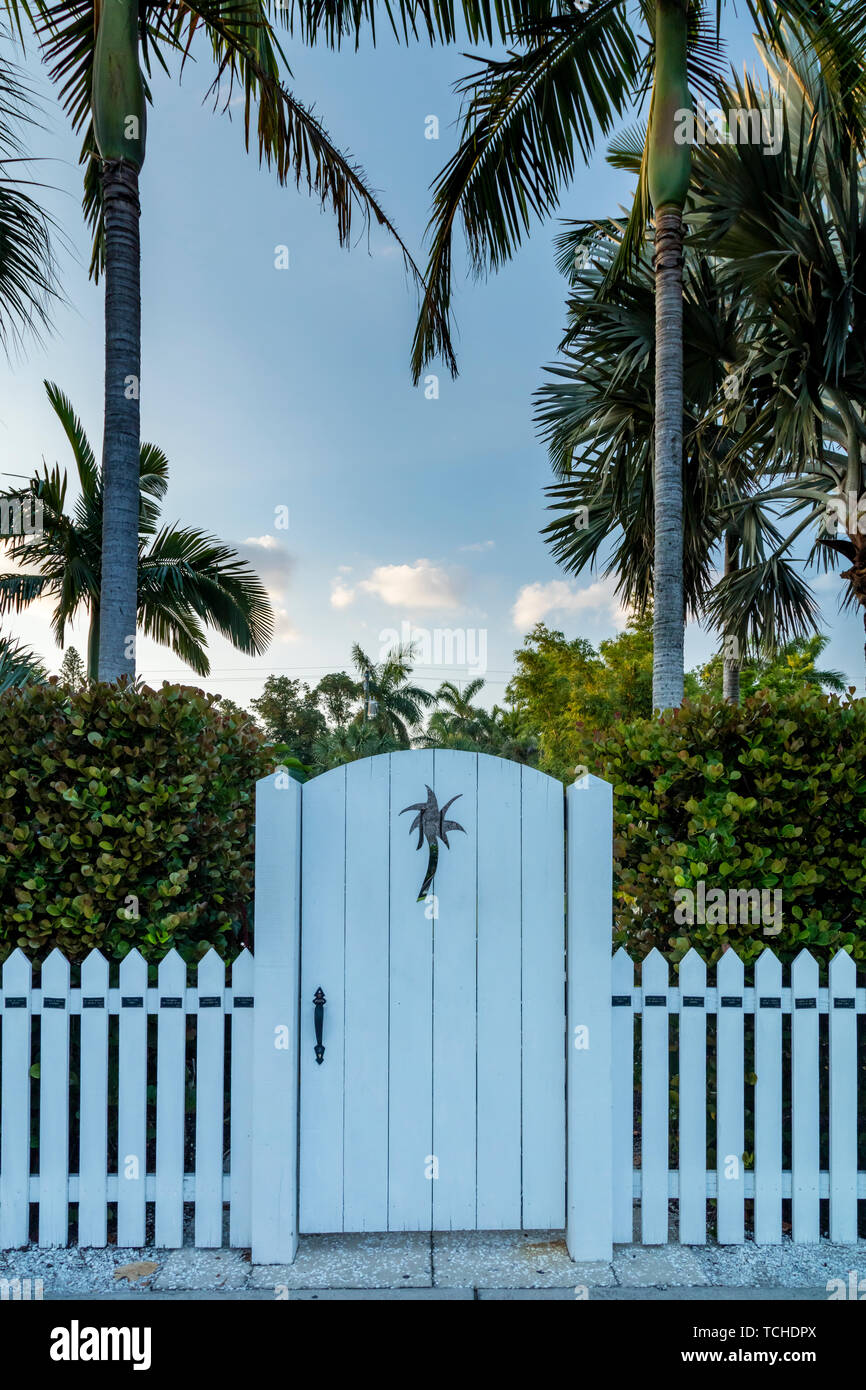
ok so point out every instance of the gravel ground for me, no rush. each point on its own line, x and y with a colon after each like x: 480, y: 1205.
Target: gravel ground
x: 456, y: 1260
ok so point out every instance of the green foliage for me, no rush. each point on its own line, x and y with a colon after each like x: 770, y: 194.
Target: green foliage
x: 187, y: 580
x: 563, y: 689
x: 117, y: 797
x: 769, y: 795
x: 290, y: 715
x: 73, y: 673
x: 784, y: 671
x: 18, y: 665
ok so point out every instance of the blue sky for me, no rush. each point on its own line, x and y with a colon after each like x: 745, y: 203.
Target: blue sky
x: 273, y: 389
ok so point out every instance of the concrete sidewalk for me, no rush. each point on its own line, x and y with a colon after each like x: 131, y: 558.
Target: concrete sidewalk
x: 514, y: 1265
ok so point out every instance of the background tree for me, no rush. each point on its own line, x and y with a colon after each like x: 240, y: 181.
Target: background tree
x: 94, y: 50
x: 289, y: 714
x: 784, y: 671
x: 525, y: 117
x: 401, y: 704
x: 27, y: 278
x: 188, y: 580
x: 790, y: 229
x: 598, y: 416
x: 73, y: 672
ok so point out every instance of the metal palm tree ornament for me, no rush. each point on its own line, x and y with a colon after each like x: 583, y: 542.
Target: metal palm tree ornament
x: 431, y: 825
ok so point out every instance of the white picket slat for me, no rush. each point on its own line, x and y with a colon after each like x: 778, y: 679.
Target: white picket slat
x: 132, y: 1101
x: 93, y: 1108
x: 365, y: 1163
x: 241, y: 1113
x: 622, y: 1068
x: 655, y: 1083
x: 805, y: 1112
x: 499, y: 839
x: 543, y: 1023
x: 209, y: 1103
x: 170, y: 1100
x: 54, y: 1102
x: 730, y: 1118
x: 843, y: 1099
x: 768, y: 1099
x: 693, y: 1100
x: 15, y: 1102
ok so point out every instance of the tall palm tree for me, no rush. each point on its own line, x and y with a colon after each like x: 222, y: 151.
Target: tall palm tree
x: 458, y: 723
x: 792, y: 232
x: 187, y: 580
x: 400, y: 703
x: 598, y: 415
x: 96, y: 50
x: 573, y: 71
x: 27, y: 277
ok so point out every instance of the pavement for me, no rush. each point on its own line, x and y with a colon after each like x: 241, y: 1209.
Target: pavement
x: 447, y: 1265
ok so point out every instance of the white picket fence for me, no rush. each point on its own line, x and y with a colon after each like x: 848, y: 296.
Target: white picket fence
x: 813, y: 1109
x: 222, y: 1175
x: 213, y: 1183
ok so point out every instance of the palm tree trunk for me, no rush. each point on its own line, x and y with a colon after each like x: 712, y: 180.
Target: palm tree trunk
x: 93, y: 644
x: 122, y: 438
x: 668, y: 603
x: 730, y: 643
x: 668, y: 173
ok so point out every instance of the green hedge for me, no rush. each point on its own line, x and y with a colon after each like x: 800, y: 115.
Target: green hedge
x: 114, y: 795
x: 771, y: 795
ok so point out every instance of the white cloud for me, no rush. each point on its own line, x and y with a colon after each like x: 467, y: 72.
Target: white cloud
x: 479, y: 546
x: 265, y: 542
x: 341, y: 594
x: 419, y: 585
x: 535, y: 601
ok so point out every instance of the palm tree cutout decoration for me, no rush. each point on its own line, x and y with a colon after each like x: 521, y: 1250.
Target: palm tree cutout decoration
x: 431, y: 825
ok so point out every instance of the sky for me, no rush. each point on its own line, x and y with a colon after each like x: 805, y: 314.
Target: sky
x: 285, y: 395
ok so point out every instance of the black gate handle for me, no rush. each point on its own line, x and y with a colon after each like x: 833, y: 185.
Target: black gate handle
x: 319, y: 1002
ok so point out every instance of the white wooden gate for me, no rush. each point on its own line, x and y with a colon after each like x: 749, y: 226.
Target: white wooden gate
x: 439, y: 1102
x: 414, y: 905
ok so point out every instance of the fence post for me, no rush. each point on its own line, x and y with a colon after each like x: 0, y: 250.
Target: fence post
x: 589, y: 1153
x: 276, y: 1026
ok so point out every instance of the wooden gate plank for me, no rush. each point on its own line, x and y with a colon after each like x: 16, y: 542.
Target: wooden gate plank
x: 455, y: 1038
x: 543, y: 1040
x: 499, y: 994
x: 323, y: 964
x: 410, y: 1125
x: 365, y: 1163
